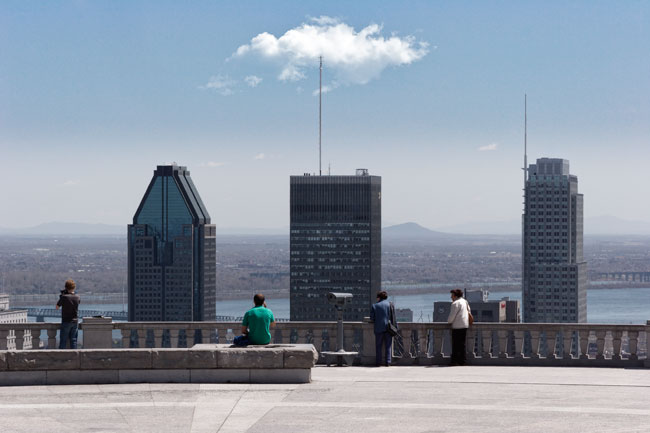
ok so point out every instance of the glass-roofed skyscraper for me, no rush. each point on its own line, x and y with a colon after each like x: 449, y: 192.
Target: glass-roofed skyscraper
x: 554, y: 269
x: 335, y: 244
x: 171, y: 259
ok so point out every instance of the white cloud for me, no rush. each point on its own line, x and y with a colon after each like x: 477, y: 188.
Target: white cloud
x: 488, y: 147
x: 253, y: 80
x: 259, y: 156
x: 212, y: 164
x: 221, y: 84
x: 70, y: 182
x: 326, y: 88
x: 353, y: 57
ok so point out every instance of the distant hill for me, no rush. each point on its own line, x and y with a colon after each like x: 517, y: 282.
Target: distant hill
x: 508, y: 227
x: 413, y: 230
x: 611, y: 225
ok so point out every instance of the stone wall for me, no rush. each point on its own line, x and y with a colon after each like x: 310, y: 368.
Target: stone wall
x: 203, y: 363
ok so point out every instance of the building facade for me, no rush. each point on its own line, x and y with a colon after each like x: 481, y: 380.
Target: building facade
x: 7, y: 315
x: 554, y: 270
x: 335, y: 244
x: 171, y: 252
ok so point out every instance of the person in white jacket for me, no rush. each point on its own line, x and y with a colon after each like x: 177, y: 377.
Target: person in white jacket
x: 459, y: 321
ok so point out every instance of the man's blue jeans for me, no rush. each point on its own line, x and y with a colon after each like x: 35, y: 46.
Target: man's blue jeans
x: 384, y: 347
x: 68, y: 332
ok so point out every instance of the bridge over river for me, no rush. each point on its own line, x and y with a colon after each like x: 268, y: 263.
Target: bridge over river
x: 42, y: 313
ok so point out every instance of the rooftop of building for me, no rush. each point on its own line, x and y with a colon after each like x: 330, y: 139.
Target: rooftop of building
x: 359, y: 399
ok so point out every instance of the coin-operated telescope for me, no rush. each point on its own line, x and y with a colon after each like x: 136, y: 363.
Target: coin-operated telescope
x: 339, y: 300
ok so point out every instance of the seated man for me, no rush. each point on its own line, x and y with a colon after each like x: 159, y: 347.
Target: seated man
x: 257, y: 322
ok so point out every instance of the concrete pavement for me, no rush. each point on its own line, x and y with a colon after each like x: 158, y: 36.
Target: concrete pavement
x: 350, y: 399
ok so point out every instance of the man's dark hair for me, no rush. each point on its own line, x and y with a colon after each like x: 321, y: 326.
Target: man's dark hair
x: 457, y: 293
x: 70, y: 286
x: 382, y: 295
x: 258, y: 299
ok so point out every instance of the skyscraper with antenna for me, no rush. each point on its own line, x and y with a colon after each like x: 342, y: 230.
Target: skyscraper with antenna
x: 335, y: 240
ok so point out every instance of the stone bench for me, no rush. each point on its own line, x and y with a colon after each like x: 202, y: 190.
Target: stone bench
x: 203, y: 363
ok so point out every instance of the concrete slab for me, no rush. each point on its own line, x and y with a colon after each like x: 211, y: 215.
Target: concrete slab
x: 220, y: 375
x: 359, y: 399
x: 63, y: 377
x: 285, y: 375
x: 153, y: 376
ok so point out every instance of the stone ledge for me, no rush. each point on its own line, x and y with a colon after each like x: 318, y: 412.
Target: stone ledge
x: 192, y: 358
x: 115, y: 359
x: 27, y: 360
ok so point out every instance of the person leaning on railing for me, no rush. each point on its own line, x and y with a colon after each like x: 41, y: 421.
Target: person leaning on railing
x: 459, y: 321
x: 69, y: 304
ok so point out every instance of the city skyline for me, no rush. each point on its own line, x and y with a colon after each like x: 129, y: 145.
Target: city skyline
x: 223, y: 89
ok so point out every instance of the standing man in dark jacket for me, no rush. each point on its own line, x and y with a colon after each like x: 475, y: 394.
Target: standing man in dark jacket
x: 69, y: 304
x: 380, y: 314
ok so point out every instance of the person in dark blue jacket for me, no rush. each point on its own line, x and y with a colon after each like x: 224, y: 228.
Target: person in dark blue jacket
x: 380, y: 315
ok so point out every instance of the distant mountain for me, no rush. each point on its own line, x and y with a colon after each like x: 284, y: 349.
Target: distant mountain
x: 508, y: 227
x: 67, y: 229
x: 412, y: 231
x: 611, y: 225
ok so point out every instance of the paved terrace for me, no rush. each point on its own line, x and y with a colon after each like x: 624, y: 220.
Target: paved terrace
x: 344, y: 399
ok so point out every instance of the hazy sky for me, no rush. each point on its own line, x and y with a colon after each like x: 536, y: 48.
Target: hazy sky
x: 428, y: 95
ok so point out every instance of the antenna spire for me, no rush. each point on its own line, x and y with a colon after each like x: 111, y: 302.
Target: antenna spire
x: 525, y: 139
x: 320, y: 111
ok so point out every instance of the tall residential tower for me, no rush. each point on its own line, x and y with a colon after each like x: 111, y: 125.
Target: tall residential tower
x: 335, y: 244
x: 554, y: 270
x: 171, y: 243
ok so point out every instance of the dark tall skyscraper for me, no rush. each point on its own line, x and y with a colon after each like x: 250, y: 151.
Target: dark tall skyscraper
x: 172, y: 266
x: 554, y: 270
x: 335, y: 244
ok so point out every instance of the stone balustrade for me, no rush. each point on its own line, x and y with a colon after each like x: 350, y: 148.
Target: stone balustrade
x: 568, y: 344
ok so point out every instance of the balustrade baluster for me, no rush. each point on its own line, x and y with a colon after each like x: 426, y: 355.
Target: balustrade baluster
x: 423, y: 340
x: 600, y: 344
x: 20, y: 334
x: 551, y: 344
x: 583, y: 344
x: 634, y: 339
x: 51, y: 338
x: 567, y: 338
x: 157, y: 337
x: 406, y: 342
x: 470, y: 344
x: 142, y: 338
x: 173, y: 337
x: 616, y: 343
x: 4, y: 334
x: 36, y: 338
x: 438, y: 339
x: 519, y: 344
x: 126, y: 338
x: 503, y: 344
x: 205, y: 335
x: 486, y: 336
x: 534, y: 344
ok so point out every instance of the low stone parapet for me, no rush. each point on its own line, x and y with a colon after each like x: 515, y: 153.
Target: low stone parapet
x: 203, y: 363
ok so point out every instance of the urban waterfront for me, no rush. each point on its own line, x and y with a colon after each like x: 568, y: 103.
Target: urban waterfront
x: 616, y: 306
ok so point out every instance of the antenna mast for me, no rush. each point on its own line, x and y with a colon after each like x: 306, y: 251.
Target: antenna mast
x: 525, y: 140
x: 320, y: 111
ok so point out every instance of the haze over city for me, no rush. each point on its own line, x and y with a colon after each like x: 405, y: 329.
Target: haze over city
x: 430, y: 97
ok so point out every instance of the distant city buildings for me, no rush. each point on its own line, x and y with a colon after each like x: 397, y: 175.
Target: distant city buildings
x: 504, y: 310
x: 554, y: 270
x: 7, y: 315
x: 335, y: 244
x: 171, y: 252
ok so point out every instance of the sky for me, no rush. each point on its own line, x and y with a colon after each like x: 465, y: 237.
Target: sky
x: 427, y: 95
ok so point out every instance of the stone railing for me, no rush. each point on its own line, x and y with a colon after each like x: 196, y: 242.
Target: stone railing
x: 418, y: 343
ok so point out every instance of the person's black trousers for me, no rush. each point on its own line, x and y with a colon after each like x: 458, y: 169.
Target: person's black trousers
x: 458, y: 337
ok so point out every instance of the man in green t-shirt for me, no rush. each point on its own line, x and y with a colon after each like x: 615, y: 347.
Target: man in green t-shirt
x: 257, y: 322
